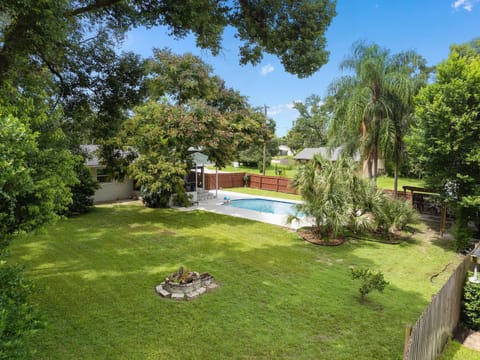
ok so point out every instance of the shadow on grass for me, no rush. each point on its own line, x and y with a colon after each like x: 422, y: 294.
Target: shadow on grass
x: 280, y: 296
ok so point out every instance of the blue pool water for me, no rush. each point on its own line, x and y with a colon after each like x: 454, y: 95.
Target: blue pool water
x: 266, y: 206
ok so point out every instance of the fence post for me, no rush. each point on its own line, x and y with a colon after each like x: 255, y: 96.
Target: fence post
x: 408, y: 332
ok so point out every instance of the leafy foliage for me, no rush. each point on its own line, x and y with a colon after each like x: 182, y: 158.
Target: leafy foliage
x: 369, y: 281
x: 471, y: 305
x: 339, y: 199
x: 310, y: 128
x: 445, y: 139
x: 372, y: 105
x: 252, y: 156
x: 18, y: 318
x: 189, y: 108
x: 34, y: 177
x: 83, y: 191
x: 53, y: 33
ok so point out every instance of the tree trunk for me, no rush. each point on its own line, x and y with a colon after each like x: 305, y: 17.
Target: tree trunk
x: 369, y: 167
x: 395, y: 178
x: 375, y: 165
x: 395, y: 181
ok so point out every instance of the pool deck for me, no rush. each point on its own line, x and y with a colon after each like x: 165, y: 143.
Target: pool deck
x: 217, y: 206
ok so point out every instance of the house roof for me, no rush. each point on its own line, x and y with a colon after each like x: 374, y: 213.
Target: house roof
x: 325, y: 152
x: 92, y: 151
x: 199, y: 159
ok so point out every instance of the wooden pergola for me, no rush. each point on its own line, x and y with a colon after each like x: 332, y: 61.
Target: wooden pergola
x: 443, y: 215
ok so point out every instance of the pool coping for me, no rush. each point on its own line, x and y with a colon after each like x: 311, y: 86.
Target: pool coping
x: 217, y: 206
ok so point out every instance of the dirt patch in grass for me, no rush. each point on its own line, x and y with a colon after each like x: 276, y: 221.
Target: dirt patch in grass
x: 308, y: 234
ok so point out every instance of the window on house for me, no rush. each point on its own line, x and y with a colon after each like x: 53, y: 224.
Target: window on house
x: 103, y: 176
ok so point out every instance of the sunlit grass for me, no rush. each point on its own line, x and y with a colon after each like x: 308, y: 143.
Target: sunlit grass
x: 386, y: 182
x: 456, y: 351
x: 280, y: 297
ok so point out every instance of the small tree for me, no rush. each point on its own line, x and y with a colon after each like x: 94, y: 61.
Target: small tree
x: 370, y: 281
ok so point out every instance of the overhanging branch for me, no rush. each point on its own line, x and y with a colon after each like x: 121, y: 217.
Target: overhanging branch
x: 97, y: 5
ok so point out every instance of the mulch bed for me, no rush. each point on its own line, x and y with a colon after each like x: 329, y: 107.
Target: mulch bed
x: 309, y: 235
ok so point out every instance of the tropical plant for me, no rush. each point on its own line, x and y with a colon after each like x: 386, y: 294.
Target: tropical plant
x: 365, y: 117
x: 328, y: 189
x: 338, y: 198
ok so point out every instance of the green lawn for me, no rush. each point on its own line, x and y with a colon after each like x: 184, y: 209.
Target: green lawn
x: 287, y: 171
x: 383, y: 182
x: 386, y: 182
x: 456, y: 351
x: 280, y: 297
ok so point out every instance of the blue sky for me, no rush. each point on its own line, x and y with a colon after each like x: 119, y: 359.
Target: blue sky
x: 426, y: 26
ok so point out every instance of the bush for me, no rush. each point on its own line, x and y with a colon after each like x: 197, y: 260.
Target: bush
x: 471, y: 305
x: 396, y: 214
x: 83, y: 191
x: 18, y: 318
x: 370, y: 281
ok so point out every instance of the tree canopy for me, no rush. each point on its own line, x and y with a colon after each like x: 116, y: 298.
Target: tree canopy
x: 310, y: 128
x: 364, y: 101
x: 50, y: 33
x: 445, y: 139
x: 188, y: 107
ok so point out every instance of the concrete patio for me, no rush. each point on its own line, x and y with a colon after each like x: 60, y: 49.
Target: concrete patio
x: 217, y: 205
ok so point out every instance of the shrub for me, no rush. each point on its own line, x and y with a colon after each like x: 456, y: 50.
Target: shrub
x: 395, y: 214
x: 370, y: 281
x: 471, y: 305
x: 462, y: 234
x: 83, y: 191
x: 18, y: 318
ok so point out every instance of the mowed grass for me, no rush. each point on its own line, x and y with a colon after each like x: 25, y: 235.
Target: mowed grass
x: 280, y: 297
x: 383, y: 182
x: 386, y: 182
x: 456, y: 351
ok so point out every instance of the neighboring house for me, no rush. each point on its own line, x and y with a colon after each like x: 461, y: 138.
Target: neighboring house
x: 110, y: 190
x: 284, y: 150
x: 307, y: 154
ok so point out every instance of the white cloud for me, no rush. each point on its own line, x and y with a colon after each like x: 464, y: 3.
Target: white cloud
x: 267, y: 69
x: 464, y: 4
x: 281, y: 108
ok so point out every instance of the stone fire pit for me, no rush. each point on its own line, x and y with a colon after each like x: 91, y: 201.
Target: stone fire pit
x: 185, y: 285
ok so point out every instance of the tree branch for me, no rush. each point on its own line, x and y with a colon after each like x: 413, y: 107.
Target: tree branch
x: 99, y: 4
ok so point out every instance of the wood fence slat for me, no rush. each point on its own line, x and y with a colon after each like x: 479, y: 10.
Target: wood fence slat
x: 431, y: 331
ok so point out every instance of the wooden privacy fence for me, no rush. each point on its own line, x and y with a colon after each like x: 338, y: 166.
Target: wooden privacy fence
x: 272, y: 183
x: 225, y: 180
x: 431, y: 331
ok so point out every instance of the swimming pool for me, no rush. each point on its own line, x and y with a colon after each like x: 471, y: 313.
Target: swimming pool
x: 266, y: 206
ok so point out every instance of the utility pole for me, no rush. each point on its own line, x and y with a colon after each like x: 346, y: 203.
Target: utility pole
x: 265, y: 107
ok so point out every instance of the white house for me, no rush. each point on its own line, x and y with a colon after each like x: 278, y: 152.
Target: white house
x: 284, y: 150
x: 110, y: 190
x: 307, y: 154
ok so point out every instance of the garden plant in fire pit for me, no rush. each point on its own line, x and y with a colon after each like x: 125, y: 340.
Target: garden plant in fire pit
x: 185, y: 285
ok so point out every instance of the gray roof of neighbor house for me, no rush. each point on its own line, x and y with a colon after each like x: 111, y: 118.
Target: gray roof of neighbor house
x: 329, y: 154
x: 92, y: 154
x: 92, y: 158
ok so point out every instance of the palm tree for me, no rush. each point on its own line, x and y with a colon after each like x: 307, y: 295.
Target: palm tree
x: 327, y: 189
x: 363, y: 112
